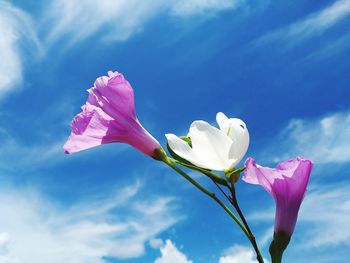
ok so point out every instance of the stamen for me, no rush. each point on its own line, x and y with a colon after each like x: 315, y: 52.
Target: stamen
x: 228, y: 131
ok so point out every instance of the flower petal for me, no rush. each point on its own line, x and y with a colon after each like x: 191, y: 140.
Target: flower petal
x: 182, y: 149
x: 237, y: 130
x: 239, y: 134
x: 297, y: 173
x: 210, y: 145
x: 287, y: 184
x: 93, y: 127
x: 114, y: 95
x: 222, y: 120
x: 88, y: 129
x: 256, y: 174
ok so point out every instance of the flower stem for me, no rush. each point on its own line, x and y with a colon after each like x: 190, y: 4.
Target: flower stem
x: 210, y: 194
x: 215, y: 177
x: 278, y: 245
x: 252, y: 239
x: 276, y: 257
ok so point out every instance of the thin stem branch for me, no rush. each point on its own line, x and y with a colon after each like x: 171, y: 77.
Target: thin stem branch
x: 252, y: 239
x: 169, y: 162
x: 223, y: 192
x: 245, y: 227
x: 234, y: 202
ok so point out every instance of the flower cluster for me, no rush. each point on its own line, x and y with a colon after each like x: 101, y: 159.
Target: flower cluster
x: 108, y: 116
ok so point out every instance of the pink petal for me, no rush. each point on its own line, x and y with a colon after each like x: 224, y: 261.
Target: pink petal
x: 109, y: 116
x: 113, y: 95
x: 286, y: 183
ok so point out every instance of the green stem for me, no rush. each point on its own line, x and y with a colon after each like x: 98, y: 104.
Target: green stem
x: 252, y: 239
x: 278, y: 246
x: 277, y: 257
x: 215, y: 177
x: 169, y: 162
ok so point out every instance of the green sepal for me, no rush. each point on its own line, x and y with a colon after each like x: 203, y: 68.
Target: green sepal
x: 233, y: 175
x: 187, y: 139
x: 278, y: 245
x: 159, y: 154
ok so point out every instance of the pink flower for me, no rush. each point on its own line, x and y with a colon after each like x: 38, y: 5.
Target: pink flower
x: 109, y: 116
x: 287, y: 185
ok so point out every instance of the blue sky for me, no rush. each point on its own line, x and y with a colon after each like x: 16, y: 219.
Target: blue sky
x: 281, y: 67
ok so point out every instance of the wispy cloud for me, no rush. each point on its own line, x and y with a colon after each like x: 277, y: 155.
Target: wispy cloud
x: 325, y: 139
x: 333, y: 48
x: 47, y: 134
x: 326, y: 208
x: 27, y: 156
x: 312, y: 25
x: 16, y: 31
x: 35, y: 229
x: 78, y: 20
x: 171, y: 254
x: 116, y: 21
x: 202, y: 7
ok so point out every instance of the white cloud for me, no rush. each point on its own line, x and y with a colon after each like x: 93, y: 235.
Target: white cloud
x: 156, y: 243
x: 77, y: 20
x: 325, y: 140
x: 16, y: 29
x: 200, y: 7
x: 4, y: 247
x: 238, y: 254
x: 170, y: 254
x: 314, y: 24
x: 234, y: 254
x: 43, y: 231
x: 326, y: 209
x: 4, y: 242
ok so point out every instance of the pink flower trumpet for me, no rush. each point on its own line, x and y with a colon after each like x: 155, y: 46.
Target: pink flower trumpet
x: 109, y: 116
x: 287, y: 185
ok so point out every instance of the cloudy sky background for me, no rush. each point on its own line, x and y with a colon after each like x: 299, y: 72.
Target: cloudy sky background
x: 281, y: 67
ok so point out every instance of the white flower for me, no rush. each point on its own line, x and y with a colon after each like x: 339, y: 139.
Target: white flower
x: 213, y: 148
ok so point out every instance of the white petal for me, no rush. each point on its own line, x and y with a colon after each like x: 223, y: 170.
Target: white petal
x: 222, y: 120
x: 238, y: 132
x: 211, y: 146
x: 182, y: 149
x: 240, y: 137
